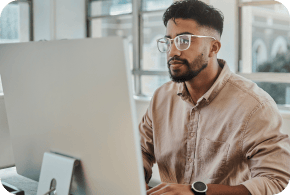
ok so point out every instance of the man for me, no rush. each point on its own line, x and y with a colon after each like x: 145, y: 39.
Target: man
x: 209, y: 124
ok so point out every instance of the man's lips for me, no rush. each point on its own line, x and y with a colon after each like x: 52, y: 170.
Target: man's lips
x: 176, y: 64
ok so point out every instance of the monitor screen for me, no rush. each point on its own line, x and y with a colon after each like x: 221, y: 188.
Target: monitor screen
x: 74, y: 97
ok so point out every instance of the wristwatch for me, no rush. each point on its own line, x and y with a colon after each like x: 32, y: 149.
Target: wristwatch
x: 199, y: 188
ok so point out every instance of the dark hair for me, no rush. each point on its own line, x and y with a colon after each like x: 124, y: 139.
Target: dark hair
x: 203, y: 14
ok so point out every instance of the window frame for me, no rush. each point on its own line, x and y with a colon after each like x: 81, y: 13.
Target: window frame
x: 137, y: 30
x: 258, y: 76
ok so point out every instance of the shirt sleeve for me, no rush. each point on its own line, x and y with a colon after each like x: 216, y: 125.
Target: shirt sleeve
x: 147, y: 146
x: 266, y: 150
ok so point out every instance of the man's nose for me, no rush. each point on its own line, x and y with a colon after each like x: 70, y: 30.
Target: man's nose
x: 173, y: 50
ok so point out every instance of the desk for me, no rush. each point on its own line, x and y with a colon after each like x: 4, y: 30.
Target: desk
x: 10, y: 176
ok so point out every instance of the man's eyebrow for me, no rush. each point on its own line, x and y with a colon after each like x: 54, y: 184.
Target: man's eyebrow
x: 183, y: 33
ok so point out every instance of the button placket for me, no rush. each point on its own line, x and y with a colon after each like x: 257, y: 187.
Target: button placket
x: 192, y: 114
x: 195, y: 128
x: 190, y: 145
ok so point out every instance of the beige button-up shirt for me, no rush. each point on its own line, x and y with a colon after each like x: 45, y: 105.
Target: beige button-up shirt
x: 231, y: 136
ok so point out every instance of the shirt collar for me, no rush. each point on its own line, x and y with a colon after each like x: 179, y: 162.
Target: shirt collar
x: 215, y: 88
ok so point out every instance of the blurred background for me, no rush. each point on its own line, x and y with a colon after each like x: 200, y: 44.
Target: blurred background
x: 261, y: 42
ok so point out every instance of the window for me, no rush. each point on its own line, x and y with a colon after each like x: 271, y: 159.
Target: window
x: 153, y: 64
x: 139, y: 21
x: 111, y: 18
x: 16, y: 24
x: 264, y: 54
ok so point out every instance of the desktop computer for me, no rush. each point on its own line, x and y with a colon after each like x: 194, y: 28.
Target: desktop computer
x: 74, y: 99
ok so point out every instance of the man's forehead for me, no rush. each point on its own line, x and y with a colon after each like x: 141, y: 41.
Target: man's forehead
x: 177, y: 26
x: 182, y: 26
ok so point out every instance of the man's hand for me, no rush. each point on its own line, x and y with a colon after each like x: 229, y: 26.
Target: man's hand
x: 170, y: 189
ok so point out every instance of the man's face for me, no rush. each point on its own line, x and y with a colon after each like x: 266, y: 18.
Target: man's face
x: 187, y: 64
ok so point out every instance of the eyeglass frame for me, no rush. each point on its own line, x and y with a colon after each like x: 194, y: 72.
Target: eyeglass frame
x: 174, y: 39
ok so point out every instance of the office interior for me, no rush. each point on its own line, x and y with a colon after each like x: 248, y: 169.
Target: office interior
x: 256, y: 36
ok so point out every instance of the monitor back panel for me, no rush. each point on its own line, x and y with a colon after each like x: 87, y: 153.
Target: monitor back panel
x: 74, y: 97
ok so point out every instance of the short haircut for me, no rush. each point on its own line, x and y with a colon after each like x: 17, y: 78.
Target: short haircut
x: 205, y: 15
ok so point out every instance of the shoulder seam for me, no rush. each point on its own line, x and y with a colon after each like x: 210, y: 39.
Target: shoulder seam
x: 244, y: 90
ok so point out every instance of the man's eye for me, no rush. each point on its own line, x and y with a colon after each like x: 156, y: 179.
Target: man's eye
x: 184, y: 41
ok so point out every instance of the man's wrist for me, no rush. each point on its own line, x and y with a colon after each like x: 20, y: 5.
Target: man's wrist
x: 199, y: 188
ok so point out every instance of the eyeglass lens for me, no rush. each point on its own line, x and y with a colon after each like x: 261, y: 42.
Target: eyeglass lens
x: 181, y: 42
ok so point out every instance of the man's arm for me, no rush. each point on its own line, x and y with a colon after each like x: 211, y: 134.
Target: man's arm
x: 217, y: 189
x: 147, y: 146
x: 266, y: 151
x: 213, y: 189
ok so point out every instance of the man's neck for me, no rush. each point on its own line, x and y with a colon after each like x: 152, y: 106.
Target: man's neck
x: 200, y: 84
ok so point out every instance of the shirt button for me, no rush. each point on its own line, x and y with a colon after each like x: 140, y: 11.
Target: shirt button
x: 190, y: 160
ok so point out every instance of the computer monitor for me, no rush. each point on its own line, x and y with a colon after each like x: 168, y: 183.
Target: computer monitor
x: 74, y: 97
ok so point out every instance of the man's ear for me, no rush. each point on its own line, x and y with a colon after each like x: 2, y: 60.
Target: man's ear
x: 215, y: 47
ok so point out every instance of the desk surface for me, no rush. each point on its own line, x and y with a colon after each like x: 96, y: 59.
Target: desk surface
x: 10, y: 176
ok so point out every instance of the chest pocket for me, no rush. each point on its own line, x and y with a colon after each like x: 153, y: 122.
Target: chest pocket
x: 211, y: 159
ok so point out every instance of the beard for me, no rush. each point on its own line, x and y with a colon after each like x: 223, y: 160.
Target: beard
x: 199, y: 63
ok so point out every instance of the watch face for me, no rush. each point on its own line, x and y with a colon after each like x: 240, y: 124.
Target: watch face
x: 200, y: 186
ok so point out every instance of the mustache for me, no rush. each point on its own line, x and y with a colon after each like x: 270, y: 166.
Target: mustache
x: 174, y: 58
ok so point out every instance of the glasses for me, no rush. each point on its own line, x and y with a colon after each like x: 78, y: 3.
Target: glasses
x: 182, y: 42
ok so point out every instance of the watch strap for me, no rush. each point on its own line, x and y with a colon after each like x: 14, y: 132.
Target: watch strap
x: 198, y: 193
